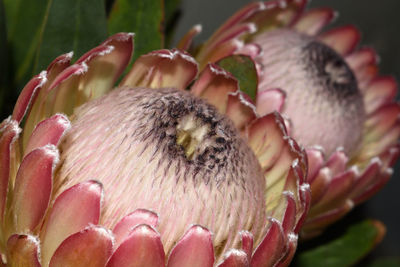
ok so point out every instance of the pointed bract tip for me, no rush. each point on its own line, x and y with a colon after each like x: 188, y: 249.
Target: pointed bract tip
x: 198, y: 28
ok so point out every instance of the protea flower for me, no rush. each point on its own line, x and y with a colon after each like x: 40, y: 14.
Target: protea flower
x: 329, y: 91
x: 146, y: 174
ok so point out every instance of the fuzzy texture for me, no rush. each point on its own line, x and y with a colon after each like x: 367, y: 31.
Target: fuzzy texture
x: 128, y: 141
x: 323, y: 101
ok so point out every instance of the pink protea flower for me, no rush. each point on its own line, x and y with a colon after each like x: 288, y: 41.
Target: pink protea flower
x: 147, y: 174
x: 329, y: 91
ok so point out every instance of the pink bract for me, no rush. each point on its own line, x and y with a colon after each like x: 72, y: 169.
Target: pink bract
x: 340, y: 176
x: 43, y: 225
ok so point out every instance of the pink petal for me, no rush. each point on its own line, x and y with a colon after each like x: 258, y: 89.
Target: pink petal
x: 33, y: 186
x: 382, y: 121
x: 187, y: 39
x: 27, y: 96
x: 292, y: 245
x: 91, y: 247
x: 58, y: 65
x: 73, y: 210
x: 314, y: 225
x: 124, y: 227
x: 47, y: 132
x: 293, y: 202
x: 67, y: 73
x: 195, y: 249
x: 23, y: 250
x: 123, y: 49
x: 342, y: 39
x: 37, y: 112
x: 320, y: 184
x: 305, y: 198
x: 80, y: 82
x: 64, y: 89
x: 383, y: 178
x: 270, y: 100
x: 266, y: 138
x: 279, y: 13
x: 106, y: 65
x: 234, y: 258
x: 367, y: 178
x: 212, y: 55
x: 9, y: 132
x: 240, y: 110
x: 362, y: 57
x: 379, y: 92
x: 390, y: 156
x: 288, y: 171
x: 337, y: 162
x: 375, y: 145
x: 251, y: 50
x: 289, y: 218
x: 162, y: 68
x: 285, y: 211
x: 299, y: 164
x: 271, y: 247
x: 314, y: 20
x: 240, y: 16
x: 234, y: 33
x: 143, y: 247
x: 225, y: 41
x: 389, y: 139
x: 223, y: 50
x: 247, y: 243
x: 100, y: 50
x: 316, y: 159
x: 365, y: 75
x: 214, y: 84
x: 282, y: 159
x: 337, y: 192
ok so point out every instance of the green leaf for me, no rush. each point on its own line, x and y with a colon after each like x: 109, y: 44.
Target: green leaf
x: 358, y: 240
x: 3, y: 57
x: 144, y: 18
x: 6, y: 89
x: 41, y: 30
x: 3, y: 50
x: 171, y: 7
x: 24, y: 19
x: 244, y: 70
x: 386, y: 262
x: 171, y: 18
x: 70, y: 25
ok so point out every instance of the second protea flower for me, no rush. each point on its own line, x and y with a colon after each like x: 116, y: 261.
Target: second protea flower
x: 334, y: 102
x: 147, y: 174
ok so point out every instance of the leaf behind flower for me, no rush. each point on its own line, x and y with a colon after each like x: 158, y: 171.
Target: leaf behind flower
x: 244, y: 70
x: 145, y: 18
x: 41, y: 30
x: 346, y: 250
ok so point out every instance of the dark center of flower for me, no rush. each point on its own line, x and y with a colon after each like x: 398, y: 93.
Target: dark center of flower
x: 327, y: 69
x: 166, y: 151
x: 323, y: 101
x: 195, y: 133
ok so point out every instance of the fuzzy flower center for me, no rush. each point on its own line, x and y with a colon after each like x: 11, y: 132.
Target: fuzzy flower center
x: 323, y: 101
x: 169, y: 152
x: 190, y: 133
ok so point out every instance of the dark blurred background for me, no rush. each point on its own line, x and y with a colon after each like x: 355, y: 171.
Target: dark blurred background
x: 379, y: 22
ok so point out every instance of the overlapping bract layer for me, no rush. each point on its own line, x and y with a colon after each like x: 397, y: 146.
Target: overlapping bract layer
x: 338, y: 180
x: 39, y: 228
